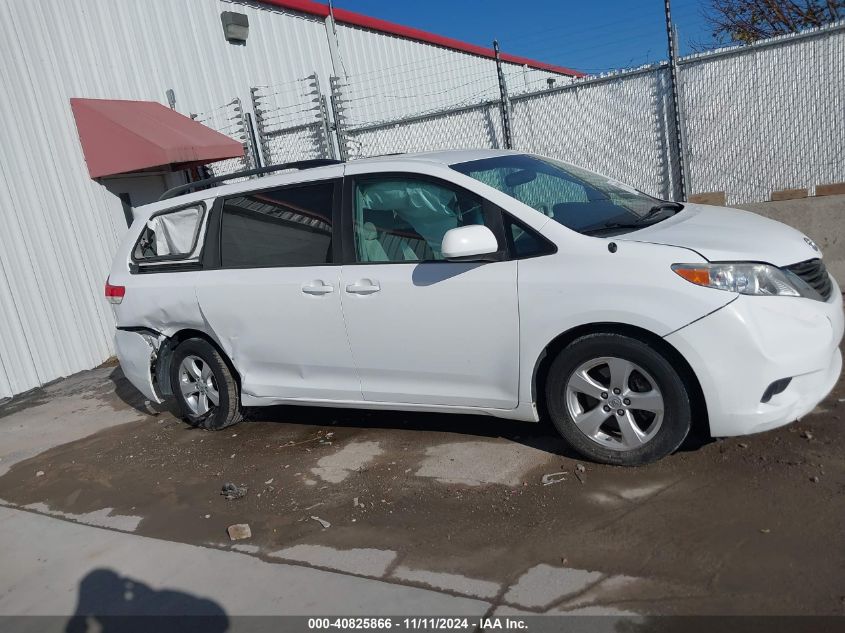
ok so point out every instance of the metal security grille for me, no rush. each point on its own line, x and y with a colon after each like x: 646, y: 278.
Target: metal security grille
x: 292, y: 121
x: 230, y: 120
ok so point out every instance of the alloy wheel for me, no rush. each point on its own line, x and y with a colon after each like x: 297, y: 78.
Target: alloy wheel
x: 198, y: 385
x: 615, y: 403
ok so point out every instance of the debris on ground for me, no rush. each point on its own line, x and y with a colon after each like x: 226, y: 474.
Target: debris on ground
x: 581, y: 473
x: 40, y: 473
x: 355, y: 502
x: 239, y: 531
x: 269, y: 481
x: 322, y: 522
x: 806, y: 435
x: 553, y: 478
x: 764, y: 530
x: 232, y: 491
x: 814, y: 479
x: 742, y: 445
x: 207, y: 516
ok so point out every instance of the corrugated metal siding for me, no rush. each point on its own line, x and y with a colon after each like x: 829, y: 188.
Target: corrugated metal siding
x: 60, y: 229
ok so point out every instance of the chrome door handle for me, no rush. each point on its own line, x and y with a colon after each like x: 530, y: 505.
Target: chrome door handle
x: 317, y: 287
x: 363, y: 287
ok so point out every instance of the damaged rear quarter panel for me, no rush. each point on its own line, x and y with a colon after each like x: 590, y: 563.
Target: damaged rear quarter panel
x: 136, y: 352
x: 164, y: 303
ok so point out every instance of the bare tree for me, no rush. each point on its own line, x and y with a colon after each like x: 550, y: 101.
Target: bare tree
x: 746, y: 21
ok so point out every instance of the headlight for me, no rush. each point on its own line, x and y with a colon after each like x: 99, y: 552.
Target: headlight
x: 746, y: 279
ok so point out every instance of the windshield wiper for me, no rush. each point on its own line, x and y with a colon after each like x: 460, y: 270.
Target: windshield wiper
x: 656, y: 209
x: 609, y: 226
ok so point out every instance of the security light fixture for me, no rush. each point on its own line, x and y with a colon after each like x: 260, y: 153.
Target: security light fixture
x: 235, y: 26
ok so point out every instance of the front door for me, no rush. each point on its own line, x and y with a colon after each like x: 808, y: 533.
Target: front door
x: 424, y: 330
x: 274, y: 303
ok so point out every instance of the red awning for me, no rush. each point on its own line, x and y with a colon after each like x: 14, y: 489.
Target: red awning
x: 125, y: 136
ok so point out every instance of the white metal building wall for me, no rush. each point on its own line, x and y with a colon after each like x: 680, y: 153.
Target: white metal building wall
x: 60, y: 229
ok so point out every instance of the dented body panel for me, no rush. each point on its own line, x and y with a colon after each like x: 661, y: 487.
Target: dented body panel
x: 136, y: 352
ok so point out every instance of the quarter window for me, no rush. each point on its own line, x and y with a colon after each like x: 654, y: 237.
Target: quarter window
x: 404, y: 220
x: 281, y: 227
x: 169, y: 235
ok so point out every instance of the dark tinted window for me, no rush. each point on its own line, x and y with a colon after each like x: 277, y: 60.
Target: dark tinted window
x: 525, y: 242
x: 282, y: 227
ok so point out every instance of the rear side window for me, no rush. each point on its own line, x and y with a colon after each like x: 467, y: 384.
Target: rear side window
x: 279, y: 227
x: 169, y: 235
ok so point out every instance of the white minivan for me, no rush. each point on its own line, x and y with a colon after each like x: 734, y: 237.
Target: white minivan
x: 485, y: 281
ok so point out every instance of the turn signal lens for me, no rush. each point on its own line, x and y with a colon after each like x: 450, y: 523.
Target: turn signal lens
x: 700, y: 276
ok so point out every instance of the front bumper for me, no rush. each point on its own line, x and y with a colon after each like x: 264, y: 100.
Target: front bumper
x: 741, y: 349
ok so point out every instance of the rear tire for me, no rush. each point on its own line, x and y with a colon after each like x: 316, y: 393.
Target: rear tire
x: 205, y: 389
x: 618, y: 400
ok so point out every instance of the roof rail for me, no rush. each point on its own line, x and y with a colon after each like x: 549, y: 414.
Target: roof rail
x: 297, y: 164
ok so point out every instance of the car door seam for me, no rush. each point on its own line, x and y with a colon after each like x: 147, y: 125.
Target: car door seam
x: 340, y: 282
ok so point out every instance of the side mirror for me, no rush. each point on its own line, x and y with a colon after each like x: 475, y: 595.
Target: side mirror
x: 468, y: 243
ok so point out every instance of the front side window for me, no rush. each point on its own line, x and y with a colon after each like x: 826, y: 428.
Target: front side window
x: 577, y: 198
x: 169, y: 235
x: 405, y: 219
x: 281, y: 227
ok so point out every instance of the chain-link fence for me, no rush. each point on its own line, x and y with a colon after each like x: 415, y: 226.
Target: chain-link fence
x: 766, y: 117
x: 754, y: 119
x: 292, y: 121
x: 620, y: 125
x: 229, y: 119
x: 464, y: 127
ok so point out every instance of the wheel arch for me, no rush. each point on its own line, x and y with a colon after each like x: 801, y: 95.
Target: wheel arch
x: 165, y: 357
x: 700, y: 421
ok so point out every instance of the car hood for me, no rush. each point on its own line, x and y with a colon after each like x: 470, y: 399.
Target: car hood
x: 722, y: 234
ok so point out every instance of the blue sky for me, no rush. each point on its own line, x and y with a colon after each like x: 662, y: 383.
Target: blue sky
x: 587, y: 35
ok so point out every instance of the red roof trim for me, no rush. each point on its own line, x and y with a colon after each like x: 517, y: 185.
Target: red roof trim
x: 383, y: 26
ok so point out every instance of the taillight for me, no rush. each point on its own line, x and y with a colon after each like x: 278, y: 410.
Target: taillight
x: 114, y: 294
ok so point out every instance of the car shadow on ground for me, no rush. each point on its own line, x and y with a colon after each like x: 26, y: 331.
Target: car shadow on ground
x: 111, y: 603
x: 542, y: 435
x: 130, y: 396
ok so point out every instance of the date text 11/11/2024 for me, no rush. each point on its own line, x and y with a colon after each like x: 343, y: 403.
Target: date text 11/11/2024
x: 417, y: 624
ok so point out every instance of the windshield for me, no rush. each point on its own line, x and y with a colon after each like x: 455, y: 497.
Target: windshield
x: 581, y: 200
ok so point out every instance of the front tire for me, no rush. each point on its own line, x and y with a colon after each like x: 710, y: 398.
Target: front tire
x: 205, y: 389
x: 618, y: 400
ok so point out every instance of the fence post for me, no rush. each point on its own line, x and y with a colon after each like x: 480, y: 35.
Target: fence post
x: 260, y: 125
x: 503, y: 97
x: 673, y: 80
x: 339, y: 116
x: 252, y: 140
x: 325, y: 139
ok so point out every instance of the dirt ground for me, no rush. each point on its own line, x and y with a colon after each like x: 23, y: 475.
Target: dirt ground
x: 749, y: 525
